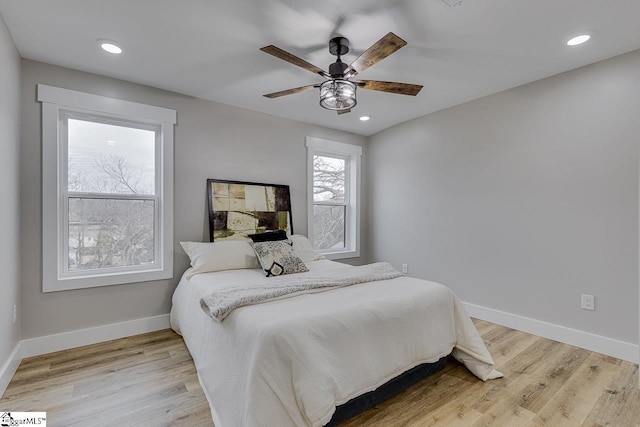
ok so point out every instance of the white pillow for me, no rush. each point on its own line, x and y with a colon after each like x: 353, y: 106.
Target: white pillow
x: 218, y: 256
x: 302, y: 247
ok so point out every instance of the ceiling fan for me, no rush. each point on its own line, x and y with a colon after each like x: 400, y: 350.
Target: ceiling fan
x: 338, y: 91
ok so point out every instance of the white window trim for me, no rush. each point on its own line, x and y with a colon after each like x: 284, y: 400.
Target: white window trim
x: 53, y: 163
x: 353, y: 155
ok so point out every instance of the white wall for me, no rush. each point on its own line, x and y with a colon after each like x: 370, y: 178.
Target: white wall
x: 211, y: 141
x: 9, y: 193
x: 522, y: 200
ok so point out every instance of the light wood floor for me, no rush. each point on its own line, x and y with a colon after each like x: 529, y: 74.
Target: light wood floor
x: 150, y: 380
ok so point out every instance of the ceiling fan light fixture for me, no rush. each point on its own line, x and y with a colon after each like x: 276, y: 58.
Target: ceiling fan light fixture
x: 338, y: 95
x: 338, y: 92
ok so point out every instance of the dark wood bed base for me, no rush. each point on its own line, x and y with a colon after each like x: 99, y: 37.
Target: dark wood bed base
x: 398, y: 384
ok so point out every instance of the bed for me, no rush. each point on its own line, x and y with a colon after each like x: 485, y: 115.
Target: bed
x: 291, y: 361
x: 294, y: 358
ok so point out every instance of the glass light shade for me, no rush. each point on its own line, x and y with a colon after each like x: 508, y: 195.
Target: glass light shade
x: 338, y: 94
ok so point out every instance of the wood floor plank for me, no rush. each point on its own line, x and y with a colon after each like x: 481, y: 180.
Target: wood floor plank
x: 506, y: 413
x: 511, y: 345
x: 451, y: 414
x: 565, y: 408
x: 619, y: 403
x: 519, y: 372
x: 483, y: 326
x: 537, y: 394
x: 150, y: 380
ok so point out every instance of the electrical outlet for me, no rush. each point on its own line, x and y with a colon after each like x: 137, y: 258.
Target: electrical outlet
x: 588, y: 302
x: 405, y: 268
x: 15, y: 314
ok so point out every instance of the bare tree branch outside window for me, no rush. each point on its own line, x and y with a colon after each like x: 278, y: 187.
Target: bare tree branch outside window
x: 112, y: 230
x: 329, y: 209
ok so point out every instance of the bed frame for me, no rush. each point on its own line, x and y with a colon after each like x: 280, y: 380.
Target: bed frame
x: 395, y: 386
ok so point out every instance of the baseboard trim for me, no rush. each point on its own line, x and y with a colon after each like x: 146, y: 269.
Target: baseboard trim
x: 10, y: 367
x: 66, y: 340
x: 609, y: 346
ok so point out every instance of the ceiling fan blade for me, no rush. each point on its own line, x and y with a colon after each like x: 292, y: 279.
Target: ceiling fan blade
x: 289, y: 91
x: 376, y: 53
x: 392, y: 87
x: 345, y: 111
x: 286, y: 56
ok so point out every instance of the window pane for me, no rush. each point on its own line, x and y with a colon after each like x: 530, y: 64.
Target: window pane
x: 108, y: 158
x: 328, y: 227
x: 107, y: 233
x: 329, y: 179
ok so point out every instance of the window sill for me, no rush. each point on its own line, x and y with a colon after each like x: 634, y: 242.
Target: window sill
x: 341, y: 254
x: 107, y: 279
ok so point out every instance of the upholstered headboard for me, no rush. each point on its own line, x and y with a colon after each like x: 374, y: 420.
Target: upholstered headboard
x: 238, y: 208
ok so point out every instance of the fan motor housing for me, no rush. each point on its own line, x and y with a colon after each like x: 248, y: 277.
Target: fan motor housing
x: 339, y: 46
x: 337, y: 68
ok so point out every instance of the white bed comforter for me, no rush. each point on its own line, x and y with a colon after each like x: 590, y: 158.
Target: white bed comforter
x: 289, y: 362
x: 219, y: 303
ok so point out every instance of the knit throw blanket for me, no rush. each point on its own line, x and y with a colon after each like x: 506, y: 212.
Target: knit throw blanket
x: 220, y: 303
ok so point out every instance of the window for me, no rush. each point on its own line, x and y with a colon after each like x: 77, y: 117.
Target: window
x: 334, y: 197
x: 329, y: 202
x: 107, y: 190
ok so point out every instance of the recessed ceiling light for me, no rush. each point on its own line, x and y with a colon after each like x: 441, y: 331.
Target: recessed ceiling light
x: 574, y: 41
x: 364, y: 118
x: 111, y: 142
x: 110, y: 46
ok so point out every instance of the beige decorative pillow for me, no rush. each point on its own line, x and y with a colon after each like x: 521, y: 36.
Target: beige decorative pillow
x: 219, y: 256
x: 302, y: 247
x: 277, y: 258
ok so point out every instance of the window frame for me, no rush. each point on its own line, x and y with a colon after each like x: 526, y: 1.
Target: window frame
x: 352, y: 154
x: 59, y: 104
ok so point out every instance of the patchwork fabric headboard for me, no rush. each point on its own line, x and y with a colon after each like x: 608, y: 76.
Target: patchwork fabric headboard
x: 238, y: 208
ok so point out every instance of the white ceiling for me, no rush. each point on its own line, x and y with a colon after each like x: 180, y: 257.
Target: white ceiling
x: 209, y: 48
